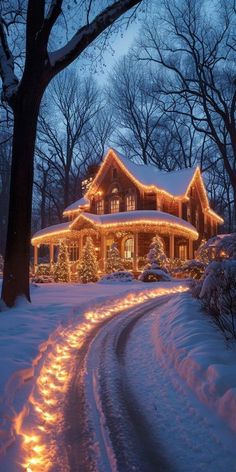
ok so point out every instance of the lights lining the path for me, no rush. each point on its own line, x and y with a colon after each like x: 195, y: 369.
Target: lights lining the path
x: 42, y: 437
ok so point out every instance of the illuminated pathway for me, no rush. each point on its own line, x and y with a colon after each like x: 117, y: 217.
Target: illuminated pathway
x: 62, y: 427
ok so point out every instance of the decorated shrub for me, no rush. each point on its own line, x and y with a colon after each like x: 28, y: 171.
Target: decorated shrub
x: 121, y: 276
x: 88, y: 266
x: 217, y: 248
x: 62, y: 267
x: 155, y: 270
x: 193, y: 269
x: 114, y: 262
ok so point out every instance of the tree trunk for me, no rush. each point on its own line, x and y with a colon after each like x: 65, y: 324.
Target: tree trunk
x: 17, y: 254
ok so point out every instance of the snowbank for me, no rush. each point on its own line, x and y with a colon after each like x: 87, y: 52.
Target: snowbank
x: 186, y: 337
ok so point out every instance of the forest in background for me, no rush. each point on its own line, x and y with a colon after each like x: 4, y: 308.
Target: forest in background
x: 169, y: 102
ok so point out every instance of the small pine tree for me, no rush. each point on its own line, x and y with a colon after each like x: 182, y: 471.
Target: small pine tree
x: 62, y: 267
x: 156, y: 256
x: 114, y: 262
x: 88, y: 266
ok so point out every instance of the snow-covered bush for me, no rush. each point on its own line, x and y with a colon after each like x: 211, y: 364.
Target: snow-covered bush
x: 155, y: 270
x: 193, y: 269
x: 121, y: 276
x: 114, y: 262
x: 156, y: 256
x: 88, y: 266
x: 217, y: 291
x: 42, y: 279
x: 62, y: 267
x: 154, y: 275
x: 219, y: 247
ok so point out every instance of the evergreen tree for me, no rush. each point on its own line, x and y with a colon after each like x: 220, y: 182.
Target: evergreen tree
x: 156, y: 256
x: 88, y: 266
x: 114, y: 262
x: 62, y: 267
x: 204, y: 253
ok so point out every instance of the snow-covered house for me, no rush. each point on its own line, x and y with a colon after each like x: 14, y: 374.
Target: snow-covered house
x: 130, y: 203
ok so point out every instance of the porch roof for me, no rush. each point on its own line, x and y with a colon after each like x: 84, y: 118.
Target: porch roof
x: 139, y: 217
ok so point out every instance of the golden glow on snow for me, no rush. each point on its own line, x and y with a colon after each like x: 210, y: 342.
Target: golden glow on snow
x: 39, y: 438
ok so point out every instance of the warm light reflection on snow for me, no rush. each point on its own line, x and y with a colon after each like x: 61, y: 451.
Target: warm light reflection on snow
x: 44, y: 414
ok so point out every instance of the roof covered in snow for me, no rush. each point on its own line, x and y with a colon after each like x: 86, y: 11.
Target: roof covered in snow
x: 114, y: 218
x: 137, y: 216
x: 76, y: 205
x: 175, y: 183
x: 52, y: 229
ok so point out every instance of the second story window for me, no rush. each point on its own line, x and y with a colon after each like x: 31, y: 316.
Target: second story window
x: 130, y: 202
x: 100, y: 207
x: 115, y: 205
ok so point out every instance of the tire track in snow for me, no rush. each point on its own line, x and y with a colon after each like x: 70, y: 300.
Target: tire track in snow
x: 105, y: 433
x: 192, y: 436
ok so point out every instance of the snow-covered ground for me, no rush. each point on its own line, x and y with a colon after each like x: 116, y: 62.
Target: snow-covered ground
x: 27, y: 330
x: 179, y: 379
x: 177, y: 363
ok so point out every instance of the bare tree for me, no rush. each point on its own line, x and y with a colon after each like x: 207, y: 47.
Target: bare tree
x: 44, y: 19
x: 193, y: 54
x: 144, y: 126
x: 74, y: 128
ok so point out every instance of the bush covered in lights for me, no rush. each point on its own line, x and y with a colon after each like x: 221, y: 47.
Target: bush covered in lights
x: 217, y: 248
x: 155, y: 270
x: 62, y: 267
x: 114, y: 262
x: 88, y: 266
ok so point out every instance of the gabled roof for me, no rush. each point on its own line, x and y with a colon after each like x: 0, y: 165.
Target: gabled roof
x: 176, y: 183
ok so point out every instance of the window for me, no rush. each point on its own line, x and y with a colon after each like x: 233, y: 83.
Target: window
x: 130, y: 202
x: 100, y: 207
x: 73, y: 252
x: 115, y: 205
x: 115, y: 190
x: 129, y: 248
x: 183, y: 252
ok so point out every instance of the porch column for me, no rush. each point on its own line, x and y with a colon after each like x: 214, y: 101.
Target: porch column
x: 80, y: 246
x: 190, y: 249
x: 103, y: 252
x: 51, y: 250
x: 135, y: 262
x: 180, y: 209
x: 172, y: 246
x: 35, y: 258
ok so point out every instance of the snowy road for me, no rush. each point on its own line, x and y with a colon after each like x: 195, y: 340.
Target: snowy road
x: 126, y: 412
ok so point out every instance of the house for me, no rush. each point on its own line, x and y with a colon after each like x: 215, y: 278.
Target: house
x: 130, y: 203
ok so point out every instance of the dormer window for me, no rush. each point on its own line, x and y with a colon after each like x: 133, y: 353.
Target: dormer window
x: 130, y: 202
x: 115, y: 190
x: 115, y: 205
x: 100, y: 207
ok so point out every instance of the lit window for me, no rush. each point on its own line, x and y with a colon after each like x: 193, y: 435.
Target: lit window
x: 73, y: 251
x: 100, y: 207
x: 130, y: 202
x: 183, y: 252
x: 115, y: 205
x: 129, y: 248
